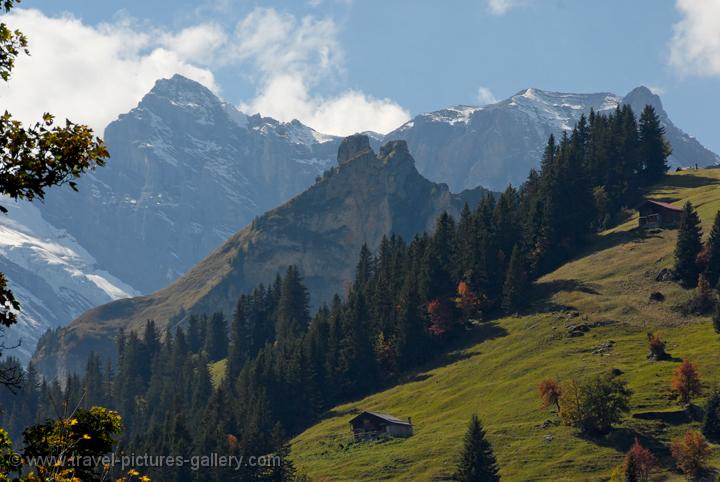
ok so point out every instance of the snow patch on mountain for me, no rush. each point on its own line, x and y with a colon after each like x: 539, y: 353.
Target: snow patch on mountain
x: 557, y: 109
x: 53, y: 277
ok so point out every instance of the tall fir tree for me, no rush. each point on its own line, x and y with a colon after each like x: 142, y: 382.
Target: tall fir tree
x: 196, y: 340
x: 216, y: 341
x: 688, y: 246
x: 654, y: 149
x: 516, y: 287
x: 293, y: 312
x: 712, y: 269
x: 477, y: 462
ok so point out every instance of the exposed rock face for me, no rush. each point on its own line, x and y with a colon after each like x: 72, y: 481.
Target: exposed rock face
x: 498, y: 144
x: 187, y: 171
x: 321, y: 231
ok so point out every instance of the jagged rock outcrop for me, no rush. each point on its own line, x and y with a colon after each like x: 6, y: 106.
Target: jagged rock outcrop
x: 365, y: 197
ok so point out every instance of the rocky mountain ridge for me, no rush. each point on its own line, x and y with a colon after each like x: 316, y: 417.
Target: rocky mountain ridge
x: 363, y: 198
x: 498, y: 144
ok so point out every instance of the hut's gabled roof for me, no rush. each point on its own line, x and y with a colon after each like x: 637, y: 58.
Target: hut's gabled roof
x: 383, y: 416
x: 663, y: 205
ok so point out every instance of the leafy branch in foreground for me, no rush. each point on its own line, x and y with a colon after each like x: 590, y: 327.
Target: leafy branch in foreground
x: 37, y: 157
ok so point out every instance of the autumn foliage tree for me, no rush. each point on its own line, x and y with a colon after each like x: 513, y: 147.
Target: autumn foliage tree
x: 467, y: 301
x: 550, y: 393
x: 686, y: 382
x: 639, y: 463
x: 441, y: 317
x: 690, y: 452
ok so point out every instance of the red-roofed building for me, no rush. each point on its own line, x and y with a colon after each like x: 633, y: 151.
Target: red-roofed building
x: 656, y: 214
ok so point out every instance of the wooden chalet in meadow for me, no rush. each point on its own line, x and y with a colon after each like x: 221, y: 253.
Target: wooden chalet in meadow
x: 372, y: 425
x: 656, y: 214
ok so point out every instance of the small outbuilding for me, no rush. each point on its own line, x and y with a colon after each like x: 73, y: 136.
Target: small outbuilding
x: 372, y: 425
x: 656, y: 214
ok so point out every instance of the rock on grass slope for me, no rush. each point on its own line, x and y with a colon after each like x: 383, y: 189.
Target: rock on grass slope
x: 496, y: 374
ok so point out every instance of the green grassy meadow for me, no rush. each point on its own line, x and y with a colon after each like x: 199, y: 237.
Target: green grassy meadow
x: 496, y: 374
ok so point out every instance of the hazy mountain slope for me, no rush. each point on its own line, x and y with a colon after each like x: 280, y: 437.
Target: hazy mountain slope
x: 187, y: 170
x: 497, y: 376
x: 365, y: 197
x: 52, y: 276
x: 492, y: 146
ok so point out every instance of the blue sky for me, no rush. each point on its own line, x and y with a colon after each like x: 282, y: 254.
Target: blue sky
x: 353, y: 64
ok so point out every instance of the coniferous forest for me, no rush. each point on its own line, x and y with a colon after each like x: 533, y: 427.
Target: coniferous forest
x: 245, y: 383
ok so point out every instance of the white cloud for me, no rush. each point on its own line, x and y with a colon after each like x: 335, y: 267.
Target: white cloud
x: 88, y: 74
x: 91, y: 74
x: 695, y: 46
x: 279, y: 42
x: 500, y: 7
x: 291, y: 57
x: 657, y: 90
x: 286, y: 97
x: 485, y: 96
x: 198, y: 43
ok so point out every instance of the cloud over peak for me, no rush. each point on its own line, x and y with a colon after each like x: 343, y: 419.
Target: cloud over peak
x: 85, y: 73
x: 91, y: 74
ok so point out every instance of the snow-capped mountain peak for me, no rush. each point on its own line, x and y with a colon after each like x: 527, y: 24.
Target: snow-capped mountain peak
x: 187, y: 170
x: 499, y: 143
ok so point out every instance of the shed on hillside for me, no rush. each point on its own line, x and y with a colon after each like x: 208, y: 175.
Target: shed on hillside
x: 656, y: 214
x: 371, y: 425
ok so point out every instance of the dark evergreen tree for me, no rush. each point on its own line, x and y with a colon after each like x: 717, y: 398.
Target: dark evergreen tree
x: 293, y: 307
x: 94, y: 386
x: 711, y: 417
x: 239, y: 349
x: 477, y: 461
x: 712, y: 268
x: 688, y: 246
x: 653, y: 146
x: 364, y: 269
x: 151, y: 338
x: 515, y: 289
x: 195, y: 334
x: 216, y: 341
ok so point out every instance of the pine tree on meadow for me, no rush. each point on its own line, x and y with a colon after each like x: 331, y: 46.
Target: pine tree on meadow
x: 477, y: 461
x: 712, y: 270
x: 688, y: 246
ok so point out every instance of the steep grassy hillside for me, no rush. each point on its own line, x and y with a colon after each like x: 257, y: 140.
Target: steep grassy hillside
x: 496, y: 375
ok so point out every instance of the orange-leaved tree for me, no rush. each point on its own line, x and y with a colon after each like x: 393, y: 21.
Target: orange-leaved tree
x: 690, y: 452
x: 686, y: 382
x: 639, y: 463
x: 550, y: 393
